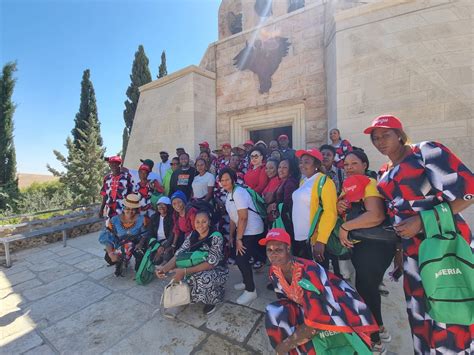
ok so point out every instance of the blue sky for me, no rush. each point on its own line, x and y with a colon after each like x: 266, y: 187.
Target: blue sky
x: 54, y: 41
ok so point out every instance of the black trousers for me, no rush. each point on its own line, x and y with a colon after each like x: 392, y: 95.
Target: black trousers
x: 243, y: 261
x: 302, y: 249
x: 334, y: 261
x: 371, y: 260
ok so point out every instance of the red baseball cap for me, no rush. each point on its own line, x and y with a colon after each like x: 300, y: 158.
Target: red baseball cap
x: 354, y: 187
x: 315, y: 153
x: 204, y: 144
x: 384, y: 121
x: 114, y: 159
x: 226, y: 145
x: 282, y: 136
x: 145, y: 167
x: 276, y: 234
x: 249, y: 142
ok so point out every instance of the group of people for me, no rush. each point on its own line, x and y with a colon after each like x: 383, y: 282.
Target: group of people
x: 251, y: 202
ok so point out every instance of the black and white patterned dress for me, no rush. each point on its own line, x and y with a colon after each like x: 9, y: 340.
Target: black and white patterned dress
x: 207, y: 286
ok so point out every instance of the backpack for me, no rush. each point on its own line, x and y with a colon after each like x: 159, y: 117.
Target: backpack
x: 446, y: 265
x: 258, y: 201
x: 201, y: 205
x: 146, y: 271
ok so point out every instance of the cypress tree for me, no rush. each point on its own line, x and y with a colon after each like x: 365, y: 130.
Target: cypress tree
x: 140, y: 76
x: 84, y: 166
x: 162, y: 71
x: 87, y: 114
x: 8, y: 180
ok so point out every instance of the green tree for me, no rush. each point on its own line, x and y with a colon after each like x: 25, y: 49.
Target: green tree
x: 162, y: 71
x: 8, y: 180
x: 140, y: 76
x: 84, y: 166
x: 87, y: 114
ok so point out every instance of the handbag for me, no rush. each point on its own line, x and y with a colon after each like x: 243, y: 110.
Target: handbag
x: 384, y: 232
x: 191, y: 258
x: 333, y: 244
x: 176, y: 294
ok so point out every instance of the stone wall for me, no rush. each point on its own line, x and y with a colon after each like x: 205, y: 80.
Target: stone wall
x: 175, y: 111
x: 413, y: 59
x: 299, y: 79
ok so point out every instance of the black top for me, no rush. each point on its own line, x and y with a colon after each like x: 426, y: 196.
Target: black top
x: 182, y: 180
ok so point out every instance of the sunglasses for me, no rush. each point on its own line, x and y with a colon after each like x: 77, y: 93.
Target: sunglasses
x: 255, y: 156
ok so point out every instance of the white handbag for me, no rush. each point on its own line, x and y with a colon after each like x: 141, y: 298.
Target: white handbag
x: 176, y: 294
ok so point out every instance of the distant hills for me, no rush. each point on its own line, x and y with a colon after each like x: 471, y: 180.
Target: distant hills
x: 25, y: 180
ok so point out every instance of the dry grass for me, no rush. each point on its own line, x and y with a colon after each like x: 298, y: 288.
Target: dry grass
x: 25, y: 180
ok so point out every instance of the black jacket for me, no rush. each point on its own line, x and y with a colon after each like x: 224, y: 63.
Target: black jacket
x: 168, y: 226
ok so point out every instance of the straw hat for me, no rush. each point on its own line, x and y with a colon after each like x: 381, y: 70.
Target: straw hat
x: 132, y: 201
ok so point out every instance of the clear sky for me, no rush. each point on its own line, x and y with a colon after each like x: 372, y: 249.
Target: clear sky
x: 54, y: 41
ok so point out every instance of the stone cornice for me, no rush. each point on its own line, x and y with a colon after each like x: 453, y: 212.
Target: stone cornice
x: 177, y: 75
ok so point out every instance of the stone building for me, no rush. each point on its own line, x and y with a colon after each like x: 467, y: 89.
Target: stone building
x: 305, y: 66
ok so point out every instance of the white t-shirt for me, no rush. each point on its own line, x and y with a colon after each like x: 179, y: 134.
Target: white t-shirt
x: 301, y: 208
x: 160, y: 234
x: 238, y: 200
x: 201, y: 183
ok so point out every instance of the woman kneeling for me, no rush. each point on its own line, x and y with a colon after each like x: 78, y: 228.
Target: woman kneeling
x: 316, y: 310
x: 207, y: 279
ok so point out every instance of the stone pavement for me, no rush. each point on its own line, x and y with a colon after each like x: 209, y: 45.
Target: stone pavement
x: 57, y: 299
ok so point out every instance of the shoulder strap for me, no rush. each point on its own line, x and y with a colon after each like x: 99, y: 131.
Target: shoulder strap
x: 430, y: 224
x: 446, y: 221
x: 314, y: 222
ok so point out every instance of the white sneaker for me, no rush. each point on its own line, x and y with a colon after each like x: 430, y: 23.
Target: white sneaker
x: 246, y: 297
x: 239, y: 287
x: 379, y: 349
x: 385, y: 335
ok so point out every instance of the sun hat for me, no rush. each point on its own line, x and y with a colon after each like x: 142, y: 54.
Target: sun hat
x: 384, y: 121
x: 204, y: 144
x: 164, y: 199
x: 277, y: 235
x: 114, y: 159
x: 179, y: 194
x: 132, y: 201
x: 354, y: 186
x: 313, y: 152
x: 262, y: 143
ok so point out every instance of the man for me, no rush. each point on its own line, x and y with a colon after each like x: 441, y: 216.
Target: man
x: 169, y: 173
x: 116, y: 186
x: 248, y: 145
x: 286, y: 151
x: 146, y: 187
x: 182, y: 178
x: 273, y: 145
x: 163, y: 166
x: 180, y: 151
x: 337, y: 175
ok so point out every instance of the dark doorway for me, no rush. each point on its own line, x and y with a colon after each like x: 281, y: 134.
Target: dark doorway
x: 267, y: 135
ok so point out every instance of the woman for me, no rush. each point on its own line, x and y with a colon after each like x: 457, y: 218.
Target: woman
x: 145, y: 188
x: 125, y: 235
x: 256, y: 178
x: 224, y: 157
x: 269, y: 192
x: 183, y: 219
x: 312, y: 303
x: 210, y: 161
x: 289, y: 176
x: 161, y: 228
x: 311, y: 234
x: 418, y: 177
x: 342, y: 147
x: 370, y: 258
x: 246, y: 228
x: 167, y: 178
x: 206, y: 280
x: 203, y: 183
x: 276, y: 154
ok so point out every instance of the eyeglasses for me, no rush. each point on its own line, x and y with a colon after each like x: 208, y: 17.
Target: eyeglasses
x: 255, y: 156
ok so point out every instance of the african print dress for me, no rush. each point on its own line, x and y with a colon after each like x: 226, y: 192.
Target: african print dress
x: 207, y: 286
x: 115, y: 188
x: 337, y: 309
x: 341, y: 151
x: 428, y: 176
x: 145, y: 190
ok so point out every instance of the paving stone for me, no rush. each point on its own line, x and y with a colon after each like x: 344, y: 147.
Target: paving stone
x: 101, y: 273
x: 163, y: 335
x: 215, y: 345
x: 56, y: 273
x: 40, y: 257
x: 68, y: 301
x: 259, y: 340
x: 14, y: 269
x: 41, y: 350
x: 193, y: 315
x: 260, y: 303
x: 101, y: 325
x: 150, y: 294
x: 90, y: 264
x: 74, y: 258
x: 233, y: 321
x: 119, y: 283
x: 15, y: 279
x: 20, y: 287
x: 43, y: 266
x: 53, y: 287
x: 65, y: 250
x: 19, y: 343
x: 11, y: 303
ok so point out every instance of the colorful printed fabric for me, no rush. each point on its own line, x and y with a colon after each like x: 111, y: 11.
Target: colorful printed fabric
x: 337, y: 308
x: 341, y: 152
x: 145, y: 190
x: 115, y: 188
x: 428, y: 176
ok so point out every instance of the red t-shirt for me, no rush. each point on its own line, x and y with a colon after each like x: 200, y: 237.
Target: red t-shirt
x: 256, y: 179
x: 272, y: 185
